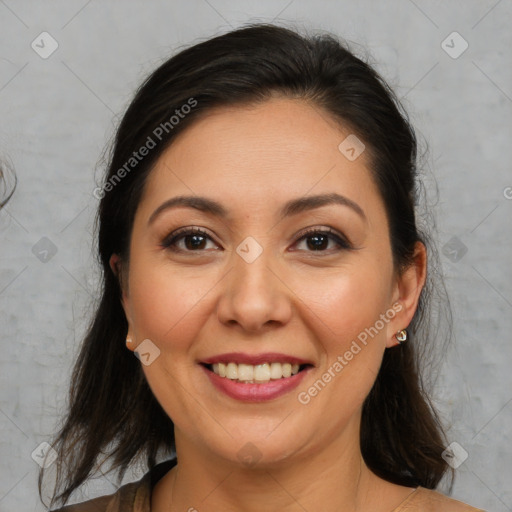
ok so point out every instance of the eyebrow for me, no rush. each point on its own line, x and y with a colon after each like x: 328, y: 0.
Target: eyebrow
x: 292, y: 207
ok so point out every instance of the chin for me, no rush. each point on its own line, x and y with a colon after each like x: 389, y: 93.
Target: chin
x: 259, y: 451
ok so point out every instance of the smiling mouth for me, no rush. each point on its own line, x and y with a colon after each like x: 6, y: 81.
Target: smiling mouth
x: 255, y: 374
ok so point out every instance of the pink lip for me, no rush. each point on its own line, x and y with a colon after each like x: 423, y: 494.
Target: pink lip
x: 267, y: 357
x: 255, y: 392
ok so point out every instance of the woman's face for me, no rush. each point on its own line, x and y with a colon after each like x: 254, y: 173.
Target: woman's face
x: 254, y: 289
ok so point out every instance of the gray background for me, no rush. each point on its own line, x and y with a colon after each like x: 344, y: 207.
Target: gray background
x: 58, y: 113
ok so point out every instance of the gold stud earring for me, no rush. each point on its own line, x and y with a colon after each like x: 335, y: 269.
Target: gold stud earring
x: 401, y: 336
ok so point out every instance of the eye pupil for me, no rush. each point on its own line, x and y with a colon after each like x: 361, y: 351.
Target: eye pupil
x: 320, y: 242
x: 198, y: 240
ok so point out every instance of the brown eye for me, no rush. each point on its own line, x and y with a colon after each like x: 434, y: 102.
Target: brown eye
x: 318, y: 240
x: 194, y: 240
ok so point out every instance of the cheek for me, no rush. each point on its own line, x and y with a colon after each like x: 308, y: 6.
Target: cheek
x: 347, y: 301
x: 347, y: 309
x: 169, y: 307
x: 165, y: 303
x: 352, y: 339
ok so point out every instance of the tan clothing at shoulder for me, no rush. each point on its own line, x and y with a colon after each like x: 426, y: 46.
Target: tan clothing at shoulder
x: 132, y: 497
x: 136, y: 497
x: 426, y: 500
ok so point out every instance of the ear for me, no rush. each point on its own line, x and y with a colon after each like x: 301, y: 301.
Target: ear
x: 407, y: 291
x: 116, y: 266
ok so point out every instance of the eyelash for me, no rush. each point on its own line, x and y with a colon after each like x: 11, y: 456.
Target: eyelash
x: 170, y: 241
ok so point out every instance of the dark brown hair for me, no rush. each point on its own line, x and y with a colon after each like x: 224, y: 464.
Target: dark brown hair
x: 112, y: 411
x: 6, y: 190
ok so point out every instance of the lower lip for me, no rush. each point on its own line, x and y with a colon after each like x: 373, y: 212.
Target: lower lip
x: 256, y: 392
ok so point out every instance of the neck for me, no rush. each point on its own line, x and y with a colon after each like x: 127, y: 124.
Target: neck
x: 335, y: 478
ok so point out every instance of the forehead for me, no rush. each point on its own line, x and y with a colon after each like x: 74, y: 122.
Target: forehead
x: 254, y: 156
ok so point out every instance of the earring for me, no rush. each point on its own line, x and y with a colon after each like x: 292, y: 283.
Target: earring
x: 129, y: 339
x: 401, y: 336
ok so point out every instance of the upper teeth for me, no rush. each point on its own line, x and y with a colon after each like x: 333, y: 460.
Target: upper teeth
x: 255, y: 373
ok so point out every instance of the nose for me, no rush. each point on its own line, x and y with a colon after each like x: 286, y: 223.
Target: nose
x: 254, y: 296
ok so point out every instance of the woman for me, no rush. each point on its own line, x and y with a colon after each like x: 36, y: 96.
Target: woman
x: 262, y: 261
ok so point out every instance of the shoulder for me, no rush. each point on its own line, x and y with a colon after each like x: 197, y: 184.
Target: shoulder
x: 131, y: 497
x: 426, y: 500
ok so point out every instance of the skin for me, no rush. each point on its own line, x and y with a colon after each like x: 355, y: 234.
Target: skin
x: 291, y: 299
